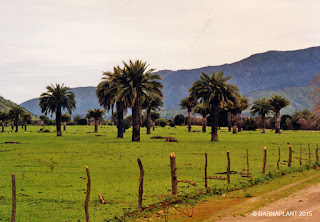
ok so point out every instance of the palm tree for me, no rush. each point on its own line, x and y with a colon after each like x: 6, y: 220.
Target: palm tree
x: 56, y: 98
x: 65, y: 117
x: 202, y: 109
x: 97, y: 115
x: 134, y: 82
x: 278, y: 102
x: 107, y: 96
x: 215, y: 91
x: 262, y: 107
x: 188, y: 103
x: 151, y: 103
x: 15, y: 113
x: 241, y: 105
x: 26, y: 117
x: 3, y: 117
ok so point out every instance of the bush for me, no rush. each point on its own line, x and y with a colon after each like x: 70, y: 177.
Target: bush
x: 161, y: 122
x: 71, y: 123
x: 172, y: 124
x: 127, y: 122
x: 82, y: 121
x: 249, y: 124
x: 179, y: 119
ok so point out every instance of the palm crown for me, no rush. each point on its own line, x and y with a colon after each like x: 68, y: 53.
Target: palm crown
x: 261, y: 106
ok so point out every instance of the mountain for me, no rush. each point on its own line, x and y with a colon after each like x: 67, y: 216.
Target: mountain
x: 265, y: 71
x: 6, y: 105
x: 287, y: 73
x: 85, y: 97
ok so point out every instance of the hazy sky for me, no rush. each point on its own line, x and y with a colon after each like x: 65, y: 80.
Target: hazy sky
x: 73, y: 41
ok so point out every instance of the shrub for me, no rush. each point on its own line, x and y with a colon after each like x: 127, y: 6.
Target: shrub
x: 249, y: 124
x: 179, y: 119
x: 161, y: 122
x: 172, y: 124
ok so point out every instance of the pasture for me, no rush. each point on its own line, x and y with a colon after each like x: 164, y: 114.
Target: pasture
x: 51, y: 177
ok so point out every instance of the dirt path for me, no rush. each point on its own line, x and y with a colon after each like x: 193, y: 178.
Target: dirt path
x: 299, y: 200
x: 301, y: 206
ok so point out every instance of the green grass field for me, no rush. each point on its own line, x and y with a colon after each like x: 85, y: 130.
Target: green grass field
x: 51, y: 177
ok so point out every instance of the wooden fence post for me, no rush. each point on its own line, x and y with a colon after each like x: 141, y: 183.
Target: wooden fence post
x: 248, y: 163
x: 278, y: 163
x: 14, y: 200
x: 264, y: 160
x: 174, y: 180
x: 228, y: 167
x: 205, y: 171
x: 309, y: 155
x: 300, y: 160
x: 86, y: 202
x: 290, y: 156
x: 140, y: 184
x: 317, y: 156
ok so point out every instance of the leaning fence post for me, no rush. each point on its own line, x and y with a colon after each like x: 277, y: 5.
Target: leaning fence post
x: 278, y: 163
x: 290, y: 156
x: 86, y: 202
x: 205, y: 171
x: 264, y: 160
x: 140, y: 184
x: 317, y: 157
x: 173, y: 174
x: 14, y: 200
x: 247, y: 163
x: 228, y: 168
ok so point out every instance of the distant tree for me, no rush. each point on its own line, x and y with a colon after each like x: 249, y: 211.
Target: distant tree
x: 76, y: 119
x: 262, y: 107
x: 26, y: 118
x: 278, y: 102
x: 3, y: 117
x: 65, y: 118
x: 154, y: 116
x: 188, y: 103
x: 215, y: 91
x: 15, y: 114
x: 83, y: 121
x: 44, y: 119
x: 97, y: 115
x: 179, y: 119
x: 242, y: 104
x: 151, y: 103
x: 203, y: 109
x: 56, y: 98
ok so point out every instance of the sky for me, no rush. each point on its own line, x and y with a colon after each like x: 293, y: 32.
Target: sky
x: 44, y: 42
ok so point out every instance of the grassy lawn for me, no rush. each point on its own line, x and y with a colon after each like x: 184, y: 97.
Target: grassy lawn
x: 51, y: 178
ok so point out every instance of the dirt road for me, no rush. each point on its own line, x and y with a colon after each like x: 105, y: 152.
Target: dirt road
x: 301, y: 206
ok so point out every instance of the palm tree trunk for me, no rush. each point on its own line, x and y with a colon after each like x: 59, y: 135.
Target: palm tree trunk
x: 263, y: 123
x: 153, y: 125
x: 204, y: 123
x: 235, y: 120
x: 95, y: 125
x: 25, y: 126
x: 214, y: 126
x: 136, y: 120
x: 58, y: 121
x: 64, y: 126
x: 17, y: 126
x: 229, y: 121
x: 2, y: 124
x: 239, y: 121
x: 120, y: 124
x: 149, y: 121
x: 277, y: 122
x: 189, y: 119
x: 12, y: 125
